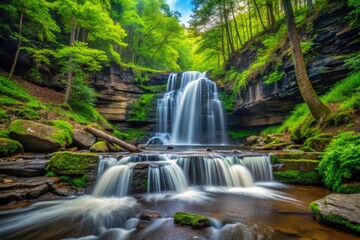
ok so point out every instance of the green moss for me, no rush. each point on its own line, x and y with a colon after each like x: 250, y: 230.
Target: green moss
x: 26, y: 113
x: 50, y: 174
x: 81, y: 181
x: 8, y: 147
x: 274, y: 77
x: 7, y: 101
x: 341, y: 162
x: 69, y: 163
x: 3, y: 116
x: 333, y: 219
x: 140, y: 109
x: 99, y: 147
x: 121, y: 135
x: 17, y: 126
x: 298, y: 177
x: 64, y: 135
x: 155, y: 88
x: 242, y: 134
x: 4, y: 133
x: 228, y: 101
x: 135, y: 134
x: 193, y: 220
x: 274, y: 159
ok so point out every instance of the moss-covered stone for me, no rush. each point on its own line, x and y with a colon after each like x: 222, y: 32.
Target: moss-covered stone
x: 38, y: 137
x: 339, y: 210
x: 9, y: 147
x: 69, y: 163
x: 303, y: 165
x: 193, y: 220
x: 299, y: 155
x: 100, y: 147
x: 298, y: 177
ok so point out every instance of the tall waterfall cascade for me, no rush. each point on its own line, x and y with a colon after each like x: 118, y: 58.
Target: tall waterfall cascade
x: 190, y: 113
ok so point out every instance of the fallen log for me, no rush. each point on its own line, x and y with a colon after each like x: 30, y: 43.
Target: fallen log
x: 111, y: 139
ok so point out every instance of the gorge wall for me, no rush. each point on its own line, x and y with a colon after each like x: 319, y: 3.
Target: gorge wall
x: 261, y: 104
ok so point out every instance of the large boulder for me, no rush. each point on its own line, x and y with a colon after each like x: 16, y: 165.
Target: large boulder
x: 83, y: 139
x: 37, y: 137
x: 341, y: 210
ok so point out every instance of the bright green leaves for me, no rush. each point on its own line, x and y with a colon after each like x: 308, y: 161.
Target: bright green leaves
x: 90, y: 59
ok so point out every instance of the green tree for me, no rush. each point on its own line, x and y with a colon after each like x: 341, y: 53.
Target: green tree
x: 31, y: 15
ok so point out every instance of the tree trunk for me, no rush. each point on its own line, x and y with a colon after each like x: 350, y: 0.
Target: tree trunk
x: 71, y: 70
x: 310, y: 4
x: 317, y: 108
x: 270, y: 7
x: 259, y: 14
x: 236, y: 26
x: 112, y: 139
x: 18, y: 47
x: 250, y: 23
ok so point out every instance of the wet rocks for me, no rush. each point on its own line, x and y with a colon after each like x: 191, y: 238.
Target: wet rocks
x: 18, y: 189
x: 340, y: 210
x: 192, y: 220
x: 149, y: 216
x: 82, y: 139
x: 35, y: 137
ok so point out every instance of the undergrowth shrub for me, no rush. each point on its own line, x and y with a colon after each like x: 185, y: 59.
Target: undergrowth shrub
x: 341, y: 163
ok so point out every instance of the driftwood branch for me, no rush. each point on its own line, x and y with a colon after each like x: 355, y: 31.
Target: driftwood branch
x: 111, y: 139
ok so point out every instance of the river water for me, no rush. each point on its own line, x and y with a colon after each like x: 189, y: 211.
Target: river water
x: 259, y: 210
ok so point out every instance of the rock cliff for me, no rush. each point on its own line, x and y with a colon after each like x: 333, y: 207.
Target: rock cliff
x: 260, y: 104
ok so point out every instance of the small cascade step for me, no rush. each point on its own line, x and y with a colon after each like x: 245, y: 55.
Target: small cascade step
x: 297, y: 167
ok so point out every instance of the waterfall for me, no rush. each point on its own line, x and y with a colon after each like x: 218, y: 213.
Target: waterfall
x: 163, y: 174
x: 260, y: 167
x: 167, y: 177
x: 190, y: 112
x: 113, y: 182
x: 105, y: 163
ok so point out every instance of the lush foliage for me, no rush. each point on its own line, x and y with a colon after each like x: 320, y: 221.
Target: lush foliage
x: 140, y: 108
x: 341, y: 162
x: 345, y: 92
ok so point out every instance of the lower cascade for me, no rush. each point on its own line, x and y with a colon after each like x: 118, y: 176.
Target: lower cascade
x: 190, y: 112
x: 112, y: 213
x: 163, y: 174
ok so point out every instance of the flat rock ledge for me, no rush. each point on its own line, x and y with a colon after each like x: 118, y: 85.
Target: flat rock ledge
x: 339, y: 210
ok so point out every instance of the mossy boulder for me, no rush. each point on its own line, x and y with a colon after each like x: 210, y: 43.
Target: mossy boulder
x: 99, y: 147
x: 82, y: 139
x: 339, y: 210
x: 9, y: 147
x: 38, y: 137
x: 298, y: 177
x: 193, y: 220
x: 69, y: 163
x: 299, y: 171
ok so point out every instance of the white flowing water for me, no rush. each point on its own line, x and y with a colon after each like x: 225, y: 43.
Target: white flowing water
x: 190, y: 112
x: 168, y: 177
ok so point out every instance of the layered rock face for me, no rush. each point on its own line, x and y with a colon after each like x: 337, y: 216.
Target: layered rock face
x: 118, y: 89
x: 261, y: 104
